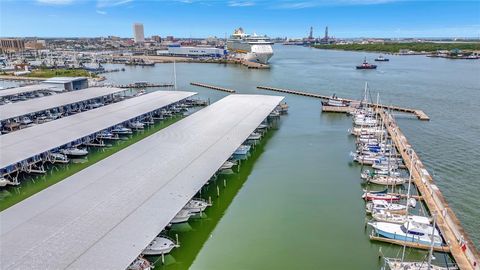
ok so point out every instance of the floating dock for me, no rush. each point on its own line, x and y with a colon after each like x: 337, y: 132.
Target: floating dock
x: 33, y: 145
x: 144, y: 85
x: 419, y: 113
x: 460, y: 245
x: 37, y: 105
x: 213, y: 87
x: 105, y: 215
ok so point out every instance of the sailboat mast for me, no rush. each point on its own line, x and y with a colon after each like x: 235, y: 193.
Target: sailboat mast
x: 430, y: 253
x: 174, y: 76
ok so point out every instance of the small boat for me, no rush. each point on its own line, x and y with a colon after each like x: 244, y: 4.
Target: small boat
x: 262, y: 126
x: 366, y: 65
x: 227, y: 165
x: 382, y: 59
x: 121, y: 130
x: 397, y: 264
x: 410, y: 231
x: 334, y: 101
x: 195, y: 206
x: 274, y: 113
x: 242, y: 150
x: 140, y: 264
x: 254, y: 136
x: 369, y: 196
x: 377, y: 205
x: 387, y: 180
x: 368, y: 174
x: 59, y: 158
x: 25, y: 121
x: 160, y: 245
x: 282, y: 108
x: 385, y: 216
x: 3, y: 182
x: 181, y: 217
x: 74, y: 152
x: 137, y: 125
x: 105, y: 135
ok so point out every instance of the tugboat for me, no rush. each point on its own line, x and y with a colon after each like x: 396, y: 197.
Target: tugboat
x: 366, y: 65
x: 382, y: 59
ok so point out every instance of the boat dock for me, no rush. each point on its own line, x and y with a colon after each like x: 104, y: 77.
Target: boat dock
x: 61, y: 101
x: 459, y: 244
x: 144, y: 85
x: 147, y: 184
x: 419, y: 113
x: 213, y: 87
x: 24, y: 149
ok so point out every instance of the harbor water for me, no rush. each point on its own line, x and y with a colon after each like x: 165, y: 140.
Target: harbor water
x: 300, y: 206
x: 296, y: 203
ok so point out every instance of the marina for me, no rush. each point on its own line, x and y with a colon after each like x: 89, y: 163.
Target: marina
x: 28, y: 89
x: 63, y: 102
x: 32, y: 147
x: 138, y: 219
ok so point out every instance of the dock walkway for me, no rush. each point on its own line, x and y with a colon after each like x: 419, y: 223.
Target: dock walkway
x: 419, y: 113
x: 213, y: 87
x: 461, y: 246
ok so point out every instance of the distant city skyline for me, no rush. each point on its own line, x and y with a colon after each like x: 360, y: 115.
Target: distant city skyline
x: 205, y: 18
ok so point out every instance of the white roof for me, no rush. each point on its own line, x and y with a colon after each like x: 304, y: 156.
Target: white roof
x: 64, y: 79
x: 24, y: 89
x: 105, y: 215
x: 18, y: 109
x: 26, y: 143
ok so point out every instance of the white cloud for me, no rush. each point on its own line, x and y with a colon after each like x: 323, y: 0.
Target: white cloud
x: 55, y: 2
x: 241, y: 3
x: 112, y: 3
x: 101, y: 12
x: 291, y: 4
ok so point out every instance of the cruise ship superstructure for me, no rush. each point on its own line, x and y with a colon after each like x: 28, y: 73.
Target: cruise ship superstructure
x: 250, y: 47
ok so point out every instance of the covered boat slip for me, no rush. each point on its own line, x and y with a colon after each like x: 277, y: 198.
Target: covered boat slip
x: 25, y: 89
x: 14, y: 110
x: 27, y: 143
x: 104, y: 216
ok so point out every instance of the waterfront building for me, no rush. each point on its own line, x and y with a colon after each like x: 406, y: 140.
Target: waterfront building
x: 177, y: 50
x: 138, y: 34
x: 67, y: 83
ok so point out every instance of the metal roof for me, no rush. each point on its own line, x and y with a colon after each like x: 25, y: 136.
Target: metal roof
x: 18, y: 109
x: 64, y: 79
x: 23, y: 89
x: 105, y: 215
x: 26, y: 143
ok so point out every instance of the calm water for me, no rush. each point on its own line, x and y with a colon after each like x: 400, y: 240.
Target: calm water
x: 299, y: 205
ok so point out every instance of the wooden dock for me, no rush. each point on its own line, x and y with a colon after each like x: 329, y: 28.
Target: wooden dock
x: 213, y: 87
x: 409, y: 244
x: 419, y: 113
x: 460, y: 245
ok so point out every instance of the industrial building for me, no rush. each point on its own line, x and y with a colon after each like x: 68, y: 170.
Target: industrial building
x: 67, y: 83
x: 177, y: 50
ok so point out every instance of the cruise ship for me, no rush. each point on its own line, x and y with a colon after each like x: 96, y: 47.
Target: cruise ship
x: 250, y: 47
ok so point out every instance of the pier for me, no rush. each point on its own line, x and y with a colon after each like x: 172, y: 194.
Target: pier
x: 419, y: 113
x: 144, y: 85
x: 460, y: 245
x: 147, y: 184
x: 213, y: 87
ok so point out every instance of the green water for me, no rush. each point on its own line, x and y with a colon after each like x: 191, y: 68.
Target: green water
x: 57, y: 172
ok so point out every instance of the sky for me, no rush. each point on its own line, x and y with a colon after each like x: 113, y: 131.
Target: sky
x: 276, y: 18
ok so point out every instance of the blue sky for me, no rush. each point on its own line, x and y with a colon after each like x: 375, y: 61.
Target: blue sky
x: 203, y: 18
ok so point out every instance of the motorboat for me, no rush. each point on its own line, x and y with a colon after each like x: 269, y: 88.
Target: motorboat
x: 242, y: 150
x: 377, y: 205
x: 195, y: 206
x: 410, y: 231
x: 140, y: 264
x: 254, y: 136
x: 160, y: 245
x: 105, y: 135
x: 334, y: 101
x: 137, y: 125
x: 385, y: 216
x: 227, y: 165
x: 3, y: 182
x: 25, y: 121
x: 58, y: 158
x: 382, y: 59
x: 121, y: 130
x: 181, y: 217
x: 274, y: 113
x: 74, y: 152
x: 387, y: 180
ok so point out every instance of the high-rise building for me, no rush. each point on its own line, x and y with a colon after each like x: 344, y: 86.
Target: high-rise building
x: 138, y: 34
x: 157, y: 38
